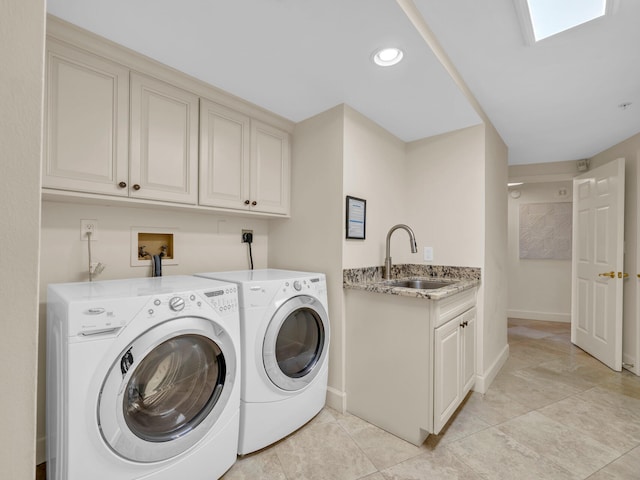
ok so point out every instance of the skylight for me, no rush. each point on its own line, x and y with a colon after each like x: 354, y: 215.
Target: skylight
x: 544, y: 18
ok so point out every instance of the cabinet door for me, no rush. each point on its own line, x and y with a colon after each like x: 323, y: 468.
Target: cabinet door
x: 86, y: 122
x: 468, y: 361
x: 270, y: 169
x: 224, y: 157
x: 446, y: 388
x: 164, y: 141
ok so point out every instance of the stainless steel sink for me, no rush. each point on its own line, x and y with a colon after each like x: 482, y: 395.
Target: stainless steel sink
x: 418, y: 284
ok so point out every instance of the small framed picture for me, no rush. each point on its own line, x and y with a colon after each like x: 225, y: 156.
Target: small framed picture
x: 356, y: 218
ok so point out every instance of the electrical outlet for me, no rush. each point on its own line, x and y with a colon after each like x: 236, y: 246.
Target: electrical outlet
x: 428, y: 254
x: 247, y: 236
x: 87, y: 226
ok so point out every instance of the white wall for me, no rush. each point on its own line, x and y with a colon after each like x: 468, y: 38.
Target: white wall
x: 375, y: 170
x: 538, y: 289
x: 21, y: 89
x: 493, y: 349
x: 203, y: 243
x: 457, y: 199
x: 311, y: 240
x: 445, y: 188
x: 339, y: 153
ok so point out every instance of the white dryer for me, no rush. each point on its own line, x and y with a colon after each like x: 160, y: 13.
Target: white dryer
x: 285, y: 344
x: 142, y: 379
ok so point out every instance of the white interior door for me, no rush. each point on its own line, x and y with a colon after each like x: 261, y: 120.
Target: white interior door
x: 597, y: 265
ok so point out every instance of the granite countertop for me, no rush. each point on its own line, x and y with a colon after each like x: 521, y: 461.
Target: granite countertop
x: 371, y: 279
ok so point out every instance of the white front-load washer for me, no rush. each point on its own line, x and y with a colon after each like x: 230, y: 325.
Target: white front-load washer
x: 143, y: 379
x: 284, y: 331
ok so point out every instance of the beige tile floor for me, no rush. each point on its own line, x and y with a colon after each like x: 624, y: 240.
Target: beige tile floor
x: 553, y: 412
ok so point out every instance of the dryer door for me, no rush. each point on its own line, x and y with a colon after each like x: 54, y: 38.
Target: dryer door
x: 296, y: 343
x: 167, y: 390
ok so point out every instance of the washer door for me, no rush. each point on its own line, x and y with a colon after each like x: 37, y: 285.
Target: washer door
x: 296, y: 343
x: 167, y: 389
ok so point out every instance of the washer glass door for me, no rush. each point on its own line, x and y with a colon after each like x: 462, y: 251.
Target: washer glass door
x: 166, y: 391
x: 296, y: 343
x: 174, y: 388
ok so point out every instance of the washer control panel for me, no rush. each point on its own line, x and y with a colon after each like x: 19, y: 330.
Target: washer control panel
x: 224, y: 300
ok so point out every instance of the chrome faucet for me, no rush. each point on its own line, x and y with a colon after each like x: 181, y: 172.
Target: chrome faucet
x: 412, y: 241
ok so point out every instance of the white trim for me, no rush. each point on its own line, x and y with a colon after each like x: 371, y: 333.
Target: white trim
x: 337, y: 399
x: 526, y: 25
x: 543, y: 316
x: 484, y: 381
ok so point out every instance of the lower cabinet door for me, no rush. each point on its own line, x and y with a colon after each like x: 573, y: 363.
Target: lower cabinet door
x: 447, y: 374
x: 468, y: 351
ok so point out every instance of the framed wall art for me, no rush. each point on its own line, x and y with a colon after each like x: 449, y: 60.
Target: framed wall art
x: 356, y: 218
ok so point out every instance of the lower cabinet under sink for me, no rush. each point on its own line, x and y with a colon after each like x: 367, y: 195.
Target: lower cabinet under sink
x: 409, y: 361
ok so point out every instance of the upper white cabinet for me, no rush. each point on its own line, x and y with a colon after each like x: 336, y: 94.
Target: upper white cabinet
x: 86, y: 122
x: 118, y: 124
x: 270, y: 169
x: 164, y: 141
x: 224, y: 156
x: 244, y: 163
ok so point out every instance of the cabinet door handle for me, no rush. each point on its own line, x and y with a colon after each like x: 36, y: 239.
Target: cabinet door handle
x: 136, y: 187
x: 247, y: 202
x: 254, y: 203
x: 122, y: 184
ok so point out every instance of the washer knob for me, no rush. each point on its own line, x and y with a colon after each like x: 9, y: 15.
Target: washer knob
x: 297, y: 285
x: 176, y: 304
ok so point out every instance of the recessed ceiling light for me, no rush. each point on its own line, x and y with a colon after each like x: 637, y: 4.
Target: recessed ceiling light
x: 386, y: 57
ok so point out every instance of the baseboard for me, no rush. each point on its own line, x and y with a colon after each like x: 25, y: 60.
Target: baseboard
x: 484, y: 381
x: 543, y: 316
x: 41, y: 450
x: 337, y: 399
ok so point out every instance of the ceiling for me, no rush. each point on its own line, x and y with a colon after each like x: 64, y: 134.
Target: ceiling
x: 554, y: 101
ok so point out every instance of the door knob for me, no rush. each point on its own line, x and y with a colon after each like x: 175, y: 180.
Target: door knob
x: 122, y: 184
x: 608, y: 274
x: 136, y: 187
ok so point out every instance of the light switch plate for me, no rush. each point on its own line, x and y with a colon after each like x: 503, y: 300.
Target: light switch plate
x: 428, y: 254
